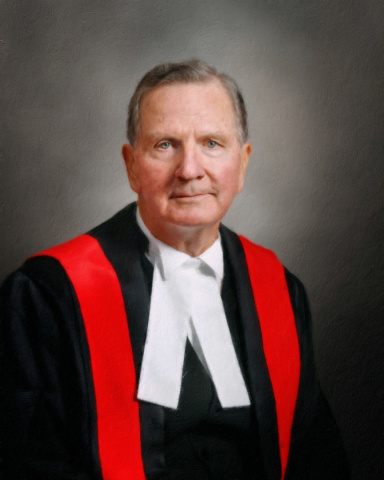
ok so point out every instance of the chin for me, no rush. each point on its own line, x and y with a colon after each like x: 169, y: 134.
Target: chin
x: 193, y: 219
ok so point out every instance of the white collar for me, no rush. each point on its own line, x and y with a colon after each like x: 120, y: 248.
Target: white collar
x: 170, y: 258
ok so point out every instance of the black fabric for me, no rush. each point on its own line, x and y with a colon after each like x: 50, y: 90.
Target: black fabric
x: 203, y: 440
x: 316, y: 450
x: 260, y: 383
x: 47, y: 411
x: 47, y: 414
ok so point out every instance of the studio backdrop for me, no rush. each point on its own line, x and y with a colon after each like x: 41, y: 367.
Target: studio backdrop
x: 312, y: 76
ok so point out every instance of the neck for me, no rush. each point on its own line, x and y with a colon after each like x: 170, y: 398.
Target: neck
x: 192, y: 240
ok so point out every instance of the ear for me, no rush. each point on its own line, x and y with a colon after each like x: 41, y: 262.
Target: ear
x: 245, y: 153
x: 129, y: 156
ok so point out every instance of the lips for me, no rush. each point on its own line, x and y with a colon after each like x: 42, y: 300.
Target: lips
x: 188, y: 195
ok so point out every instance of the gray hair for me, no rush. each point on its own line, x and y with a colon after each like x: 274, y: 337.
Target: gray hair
x: 190, y: 71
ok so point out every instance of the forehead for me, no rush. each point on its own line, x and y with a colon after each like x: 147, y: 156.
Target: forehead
x: 188, y: 103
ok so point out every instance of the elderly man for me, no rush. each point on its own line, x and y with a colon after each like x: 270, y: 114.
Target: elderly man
x: 161, y: 345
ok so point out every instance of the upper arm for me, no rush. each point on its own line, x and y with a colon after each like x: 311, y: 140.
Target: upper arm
x: 45, y: 417
x: 317, y: 450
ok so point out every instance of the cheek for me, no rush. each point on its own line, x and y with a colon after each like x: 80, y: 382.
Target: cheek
x: 230, y: 181
x: 153, y: 179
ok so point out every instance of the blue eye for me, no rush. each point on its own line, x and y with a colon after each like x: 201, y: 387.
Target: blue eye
x: 211, y: 144
x: 165, y: 145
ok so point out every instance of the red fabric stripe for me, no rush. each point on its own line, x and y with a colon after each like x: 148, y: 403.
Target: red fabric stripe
x: 278, y: 330
x: 99, y: 294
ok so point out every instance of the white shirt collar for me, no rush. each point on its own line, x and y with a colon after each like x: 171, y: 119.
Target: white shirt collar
x: 170, y: 259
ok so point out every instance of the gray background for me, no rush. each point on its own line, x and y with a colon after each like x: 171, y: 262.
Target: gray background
x: 312, y: 75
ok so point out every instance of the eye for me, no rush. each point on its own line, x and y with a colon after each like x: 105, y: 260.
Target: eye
x: 211, y: 144
x: 164, y: 145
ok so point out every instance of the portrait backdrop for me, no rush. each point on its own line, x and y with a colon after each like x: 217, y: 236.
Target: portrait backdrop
x: 312, y: 76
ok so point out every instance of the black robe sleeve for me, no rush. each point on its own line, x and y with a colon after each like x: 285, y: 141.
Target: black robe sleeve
x: 46, y: 422
x: 317, y: 451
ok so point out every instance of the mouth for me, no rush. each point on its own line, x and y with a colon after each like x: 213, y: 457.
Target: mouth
x: 188, y: 196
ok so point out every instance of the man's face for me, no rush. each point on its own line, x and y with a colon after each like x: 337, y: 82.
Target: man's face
x: 187, y: 164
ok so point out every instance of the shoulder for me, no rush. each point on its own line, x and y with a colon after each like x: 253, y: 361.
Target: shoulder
x: 254, y: 252
x: 40, y: 273
x: 264, y: 264
x: 47, y: 268
x: 38, y: 307
x: 79, y: 247
x: 259, y: 260
x: 46, y: 279
x: 239, y: 243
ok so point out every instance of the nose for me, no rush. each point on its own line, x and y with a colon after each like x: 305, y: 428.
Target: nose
x: 190, y: 164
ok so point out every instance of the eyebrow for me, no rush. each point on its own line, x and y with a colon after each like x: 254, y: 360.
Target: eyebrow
x: 160, y: 136
x: 155, y: 137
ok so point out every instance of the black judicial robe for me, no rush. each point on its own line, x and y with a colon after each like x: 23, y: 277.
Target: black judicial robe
x: 48, y: 418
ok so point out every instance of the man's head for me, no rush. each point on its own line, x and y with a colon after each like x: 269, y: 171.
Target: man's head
x: 191, y: 71
x: 187, y: 158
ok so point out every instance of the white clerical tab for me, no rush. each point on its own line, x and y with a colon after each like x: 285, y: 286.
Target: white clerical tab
x: 162, y: 364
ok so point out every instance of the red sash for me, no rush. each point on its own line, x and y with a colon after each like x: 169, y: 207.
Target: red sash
x: 102, y: 307
x: 278, y: 331
x: 101, y: 303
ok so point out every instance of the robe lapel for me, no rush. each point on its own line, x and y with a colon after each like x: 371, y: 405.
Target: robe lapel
x: 125, y: 245
x: 260, y: 385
